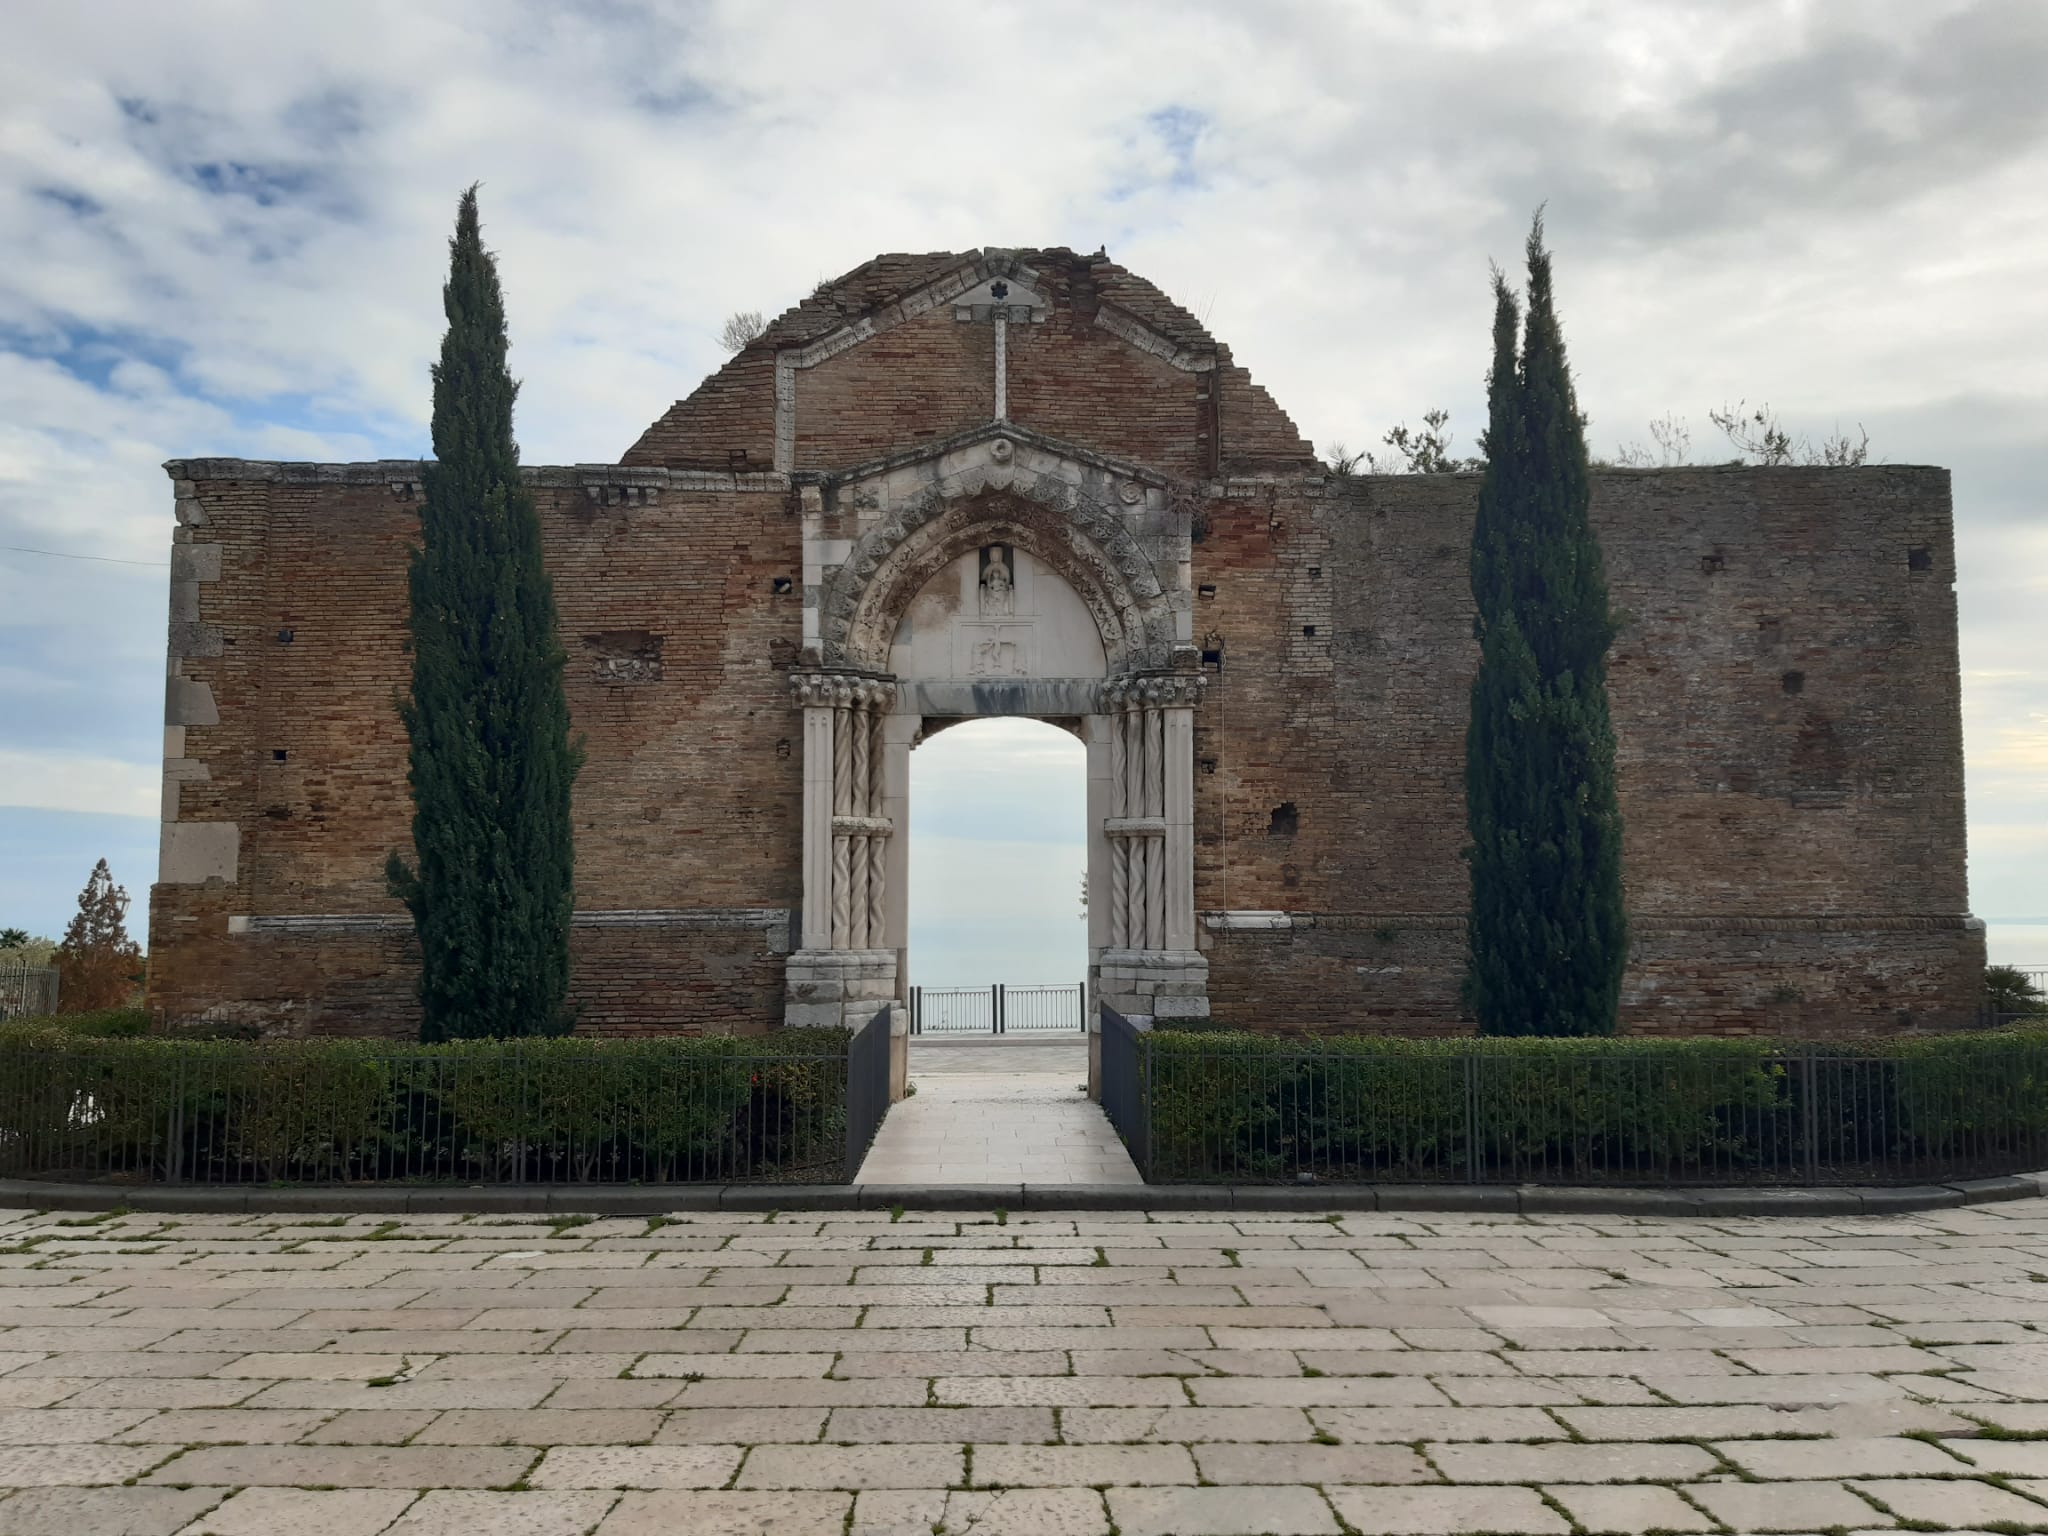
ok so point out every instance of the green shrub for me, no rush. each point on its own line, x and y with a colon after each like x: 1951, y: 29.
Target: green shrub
x: 224, y: 1110
x: 1250, y: 1106
x: 106, y: 1021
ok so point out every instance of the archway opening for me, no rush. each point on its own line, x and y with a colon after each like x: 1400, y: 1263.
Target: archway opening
x: 998, y: 861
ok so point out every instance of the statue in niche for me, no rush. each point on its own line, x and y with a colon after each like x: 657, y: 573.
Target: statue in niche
x: 998, y: 583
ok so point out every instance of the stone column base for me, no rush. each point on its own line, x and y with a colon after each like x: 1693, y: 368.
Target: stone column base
x: 835, y: 987
x: 1149, y: 986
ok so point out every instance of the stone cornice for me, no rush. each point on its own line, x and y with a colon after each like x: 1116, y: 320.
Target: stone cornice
x: 938, y: 448
x: 315, y: 924
x: 587, y: 477
x: 1638, y: 922
x: 1127, y: 327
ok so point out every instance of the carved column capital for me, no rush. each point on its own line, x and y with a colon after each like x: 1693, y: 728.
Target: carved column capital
x: 840, y: 690
x: 1152, y: 690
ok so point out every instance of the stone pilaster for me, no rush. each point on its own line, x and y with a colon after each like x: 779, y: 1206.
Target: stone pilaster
x: 1151, y: 967
x: 844, y: 972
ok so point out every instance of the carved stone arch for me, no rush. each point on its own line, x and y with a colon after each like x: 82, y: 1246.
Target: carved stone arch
x: 1082, y: 541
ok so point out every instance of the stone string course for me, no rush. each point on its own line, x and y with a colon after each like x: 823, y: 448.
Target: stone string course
x: 896, y: 1372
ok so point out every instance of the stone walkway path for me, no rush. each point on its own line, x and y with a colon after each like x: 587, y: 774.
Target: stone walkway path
x: 998, y: 1113
x: 1064, y: 1373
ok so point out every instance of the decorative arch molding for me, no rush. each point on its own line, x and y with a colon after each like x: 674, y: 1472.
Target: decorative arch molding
x: 1076, y: 533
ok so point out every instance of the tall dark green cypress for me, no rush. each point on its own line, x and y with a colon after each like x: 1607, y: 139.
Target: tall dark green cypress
x: 1548, y: 934
x: 492, y: 762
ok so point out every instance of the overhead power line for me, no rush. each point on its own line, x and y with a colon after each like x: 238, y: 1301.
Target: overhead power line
x: 58, y: 554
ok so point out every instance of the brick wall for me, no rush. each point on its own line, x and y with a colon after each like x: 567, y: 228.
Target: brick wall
x: 689, y: 797
x: 1788, y: 732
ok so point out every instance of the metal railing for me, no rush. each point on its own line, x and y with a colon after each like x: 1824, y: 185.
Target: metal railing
x: 867, y: 1090
x: 2024, y: 994
x: 27, y: 991
x: 1193, y: 1108
x: 1125, y: 1099
x: 1001, y: 1009
x: 773, y: 1109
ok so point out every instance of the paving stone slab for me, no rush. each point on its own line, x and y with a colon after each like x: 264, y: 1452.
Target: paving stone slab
x: 897, y: 1466
x: 104, y: 1511
x: 1311, y: 1464
x: 942, y: 1426
x: 442, y: 1512
x: 1561, y: 1462
x: 300, y: 1466
x: 1628, y: 1511
x: 1081, y: 1466
x: 1006, y: 1512
x: 637, y: 1466
x: 726, y: 1514
x: 1444, y: 1511
x: 1769, y: 1507
x: 1955, y: 1502
x: 1221, y: 1512
x: 540, y: 1426
x: 49, y: 1466
x: 1832, y: 1458
x: 304, y: 1512
x: 2010, y: 1458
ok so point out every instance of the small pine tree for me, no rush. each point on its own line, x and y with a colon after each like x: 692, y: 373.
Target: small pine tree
x: 492, y: 762
x: 98, y: 965
x: 1548, y: 933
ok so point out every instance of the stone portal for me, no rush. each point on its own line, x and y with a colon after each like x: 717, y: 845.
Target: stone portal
x: 998, y: 574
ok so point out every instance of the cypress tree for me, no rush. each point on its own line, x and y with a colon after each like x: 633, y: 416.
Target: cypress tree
x: 492, y: 762
x: 1548, y: 934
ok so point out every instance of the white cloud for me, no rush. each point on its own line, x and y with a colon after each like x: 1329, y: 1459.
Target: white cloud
x: 61, y: 781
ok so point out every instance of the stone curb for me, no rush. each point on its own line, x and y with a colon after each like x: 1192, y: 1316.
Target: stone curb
x: 653, y: 1200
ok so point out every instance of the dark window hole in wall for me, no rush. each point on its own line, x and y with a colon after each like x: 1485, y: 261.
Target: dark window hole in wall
x: 1213, y: 659
x: 1919, y: 558
x: 1793, y: 682
x: 1285, y: 822
x: 1206, y: 589
x: 781, y: 586
x: 278, y: 754
x: 1309, y: 630
x: 1711, y: 564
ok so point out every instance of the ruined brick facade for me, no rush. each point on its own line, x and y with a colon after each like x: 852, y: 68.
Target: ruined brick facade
x: 1784, y: 686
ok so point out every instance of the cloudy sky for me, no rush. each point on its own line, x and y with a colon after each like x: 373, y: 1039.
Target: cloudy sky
x: 224, y: 228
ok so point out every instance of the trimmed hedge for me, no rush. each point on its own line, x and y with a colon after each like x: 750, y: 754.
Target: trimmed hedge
x: 112, y: 1105
x: 1235, y: 1106
x: 103, y: 1021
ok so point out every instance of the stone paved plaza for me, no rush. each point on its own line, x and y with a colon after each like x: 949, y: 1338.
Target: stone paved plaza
x: 1066, y: 1373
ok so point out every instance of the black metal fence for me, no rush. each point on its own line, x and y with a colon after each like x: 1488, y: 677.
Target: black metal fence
x: 780, y: 1108
x: 999, y: 1010
x: 1125, y: 1099
x: 867, y: 1090
x: 1234, y: 1108
x: 2014, y: 994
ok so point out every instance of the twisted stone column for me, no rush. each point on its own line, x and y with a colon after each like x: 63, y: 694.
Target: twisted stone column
x: 844, y: 831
